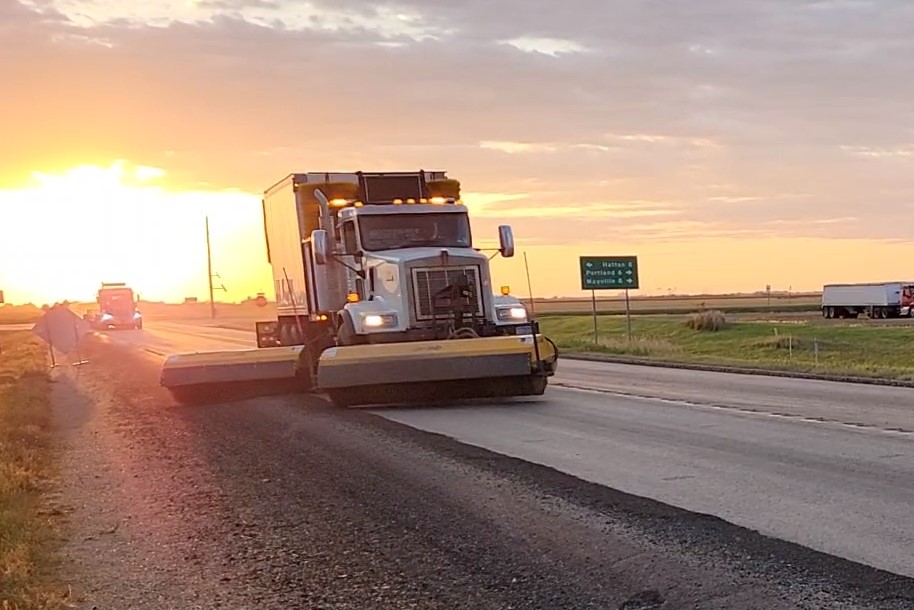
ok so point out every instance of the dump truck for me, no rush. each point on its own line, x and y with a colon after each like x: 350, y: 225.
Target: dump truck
x: 381, y: 298
x: 876, y: 300
x: 117, y: 308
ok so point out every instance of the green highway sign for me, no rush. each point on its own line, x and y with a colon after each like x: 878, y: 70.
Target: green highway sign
x: 609, y: 272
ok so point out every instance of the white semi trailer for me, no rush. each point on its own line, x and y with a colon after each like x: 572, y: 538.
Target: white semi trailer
x: 876, y: 300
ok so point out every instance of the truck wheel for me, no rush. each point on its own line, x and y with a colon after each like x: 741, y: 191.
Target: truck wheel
x: 825, y: 312
x: 346, y: 334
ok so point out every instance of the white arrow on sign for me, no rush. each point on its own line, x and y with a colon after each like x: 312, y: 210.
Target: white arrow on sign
x: 589, y: 264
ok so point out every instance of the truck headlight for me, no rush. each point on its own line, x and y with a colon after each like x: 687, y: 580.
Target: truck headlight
x: 515, y: 313
x: 377, y: 320
x: 107, y: 317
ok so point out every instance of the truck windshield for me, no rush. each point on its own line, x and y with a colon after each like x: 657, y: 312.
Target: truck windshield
x: 414, y: 231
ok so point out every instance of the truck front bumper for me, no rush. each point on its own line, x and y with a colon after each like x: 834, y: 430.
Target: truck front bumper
x: 433, y: 361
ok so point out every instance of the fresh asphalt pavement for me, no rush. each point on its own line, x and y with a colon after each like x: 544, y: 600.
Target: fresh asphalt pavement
x: 826, y: 465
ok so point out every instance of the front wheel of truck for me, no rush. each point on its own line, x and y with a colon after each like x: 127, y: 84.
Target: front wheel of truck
x: 346, y: 334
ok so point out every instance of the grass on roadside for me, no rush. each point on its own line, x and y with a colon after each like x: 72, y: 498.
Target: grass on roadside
x: 840, y: 348
x: 27, y: 534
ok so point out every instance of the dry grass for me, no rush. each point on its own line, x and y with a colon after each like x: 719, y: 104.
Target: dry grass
x: 19, y: 314
x: 708, y: 321
x: 27, y: 532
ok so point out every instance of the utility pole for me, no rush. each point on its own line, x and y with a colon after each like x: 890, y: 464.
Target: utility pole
x: 209, y: 273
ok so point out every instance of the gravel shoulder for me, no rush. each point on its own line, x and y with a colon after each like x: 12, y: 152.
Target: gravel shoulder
x: 284, y: 502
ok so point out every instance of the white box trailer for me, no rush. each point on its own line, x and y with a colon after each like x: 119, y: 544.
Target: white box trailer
x: 876, y: 300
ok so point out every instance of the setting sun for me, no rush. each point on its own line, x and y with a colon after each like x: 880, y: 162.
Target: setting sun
x: 66, y: 233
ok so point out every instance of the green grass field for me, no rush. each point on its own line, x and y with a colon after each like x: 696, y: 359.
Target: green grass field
x: 27, y: 534
x: 858, y: 349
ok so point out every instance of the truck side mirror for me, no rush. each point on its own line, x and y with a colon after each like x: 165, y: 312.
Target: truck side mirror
x: 506, y: 241
x: 320, y: 246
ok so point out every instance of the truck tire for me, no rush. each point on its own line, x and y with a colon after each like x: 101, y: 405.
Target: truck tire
x: 346, y: 334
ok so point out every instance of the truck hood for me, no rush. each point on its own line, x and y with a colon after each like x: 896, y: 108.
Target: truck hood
x: 406, y: 255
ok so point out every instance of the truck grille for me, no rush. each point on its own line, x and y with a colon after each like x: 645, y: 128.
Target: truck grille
x: 428, y: 282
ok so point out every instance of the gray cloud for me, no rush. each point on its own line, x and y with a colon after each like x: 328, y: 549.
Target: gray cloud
x: 803, y: 108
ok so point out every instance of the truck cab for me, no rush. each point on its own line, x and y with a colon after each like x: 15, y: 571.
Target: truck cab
x: 412, y: 274
x: 117, y: 308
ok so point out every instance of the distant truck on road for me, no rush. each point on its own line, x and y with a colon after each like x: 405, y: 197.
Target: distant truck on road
x: 878, y: 300
x: 117, y: 308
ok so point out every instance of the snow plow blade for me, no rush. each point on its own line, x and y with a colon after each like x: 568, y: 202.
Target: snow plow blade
x: 234, y: 374
x: 399, y: 373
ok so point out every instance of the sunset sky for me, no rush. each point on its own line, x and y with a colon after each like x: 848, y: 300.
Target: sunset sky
x: 729, y: 143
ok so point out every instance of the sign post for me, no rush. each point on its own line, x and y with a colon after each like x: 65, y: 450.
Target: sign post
x: 628, y: 317
x: 610, y: 273
x: 596, y: 335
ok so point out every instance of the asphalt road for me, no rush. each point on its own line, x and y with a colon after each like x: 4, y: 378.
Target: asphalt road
x: 828, y: 466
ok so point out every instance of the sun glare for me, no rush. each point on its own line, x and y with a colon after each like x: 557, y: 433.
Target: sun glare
x: 65, y: 233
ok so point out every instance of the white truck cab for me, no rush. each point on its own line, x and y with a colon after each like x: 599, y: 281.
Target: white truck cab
x: 409, y: 265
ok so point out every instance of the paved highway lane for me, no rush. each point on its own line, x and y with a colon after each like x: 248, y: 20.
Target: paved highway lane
x: 821, y: 464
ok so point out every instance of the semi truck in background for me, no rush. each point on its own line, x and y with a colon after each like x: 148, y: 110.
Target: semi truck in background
x: 381, y: 297
x: 875, y: 300
x: 117, y: 308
